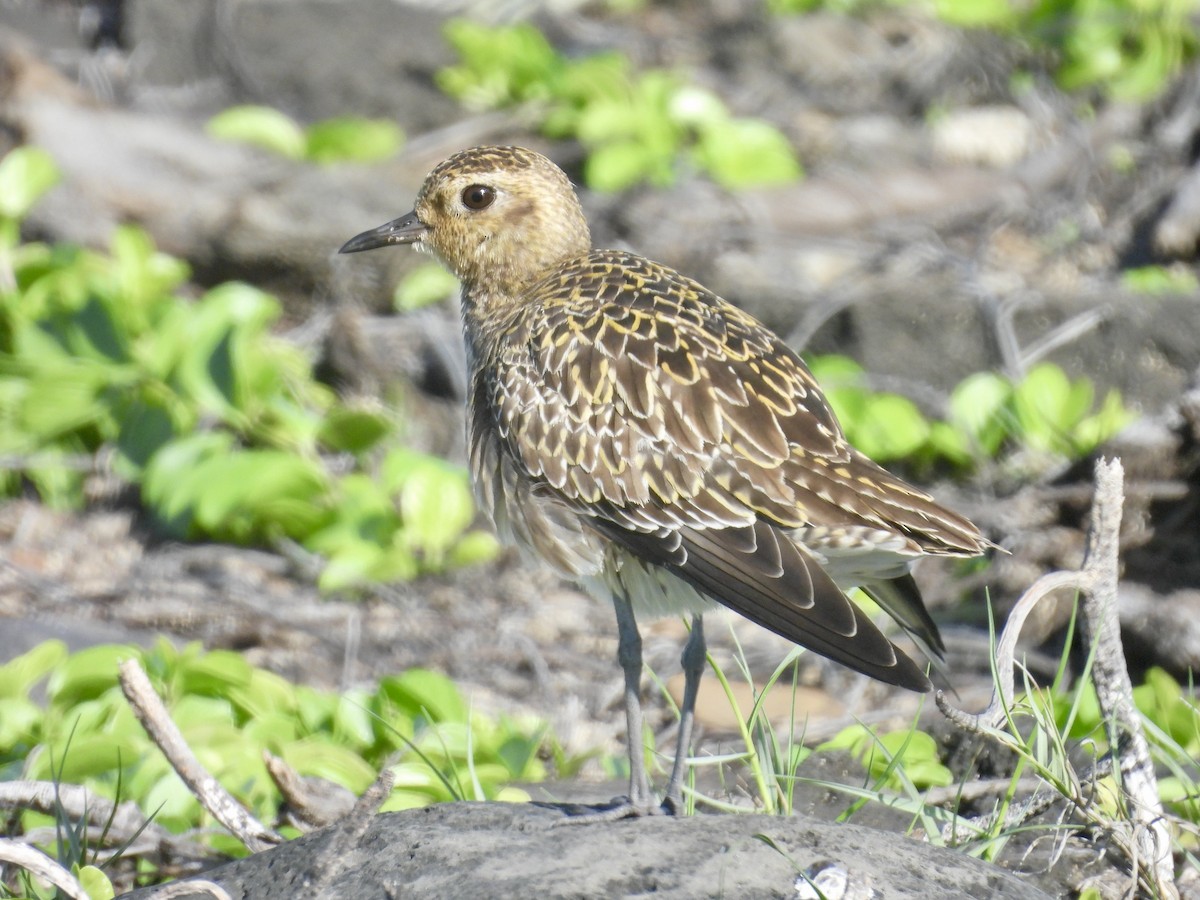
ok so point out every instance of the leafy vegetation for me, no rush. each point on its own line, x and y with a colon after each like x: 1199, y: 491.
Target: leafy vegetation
x: 220, y: 424
x: 1045, y: 413
x: 637, y: 126
x: 426, y: 284
x: 344, y: 139
x: 230, y: 712
x: 1161, y: 280
x: 1128, y: 49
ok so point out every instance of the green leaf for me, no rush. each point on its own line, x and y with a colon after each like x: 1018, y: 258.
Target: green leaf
x: 26, y: 174
x: 473, y: 548
x: 20, y: 674
x: 250, y: 493
x: 995, y: 14
x: 745, y: 153
x: 353, y: 139
x: 1095, y: 430
x: 1041, y: 402
x: 353, y: 430
x: 351, y: 563
x: 264, y: 693
x: 426, y: 284
x: 695, y: 107
x: 617, y: 165
x: 420, y: 693
x: 95, y: 882
x: 1155, y: 280
x: 88, y: 673
x: 20, y: 723
x: 212, y: 674
x: 64, y: 399
x: 352, y: 720
x: 947, y: 442
x: 86, y: 756
x: 436, y: 506
x: 979, y: 408
x: 145, y: 428
x: 319, y: 756
x: 834, y: 370
x: 262, y: 126
x: 169, y: 485
x: 891, y: 428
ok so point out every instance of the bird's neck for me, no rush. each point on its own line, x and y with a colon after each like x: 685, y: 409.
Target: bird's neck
x: 491, y: 316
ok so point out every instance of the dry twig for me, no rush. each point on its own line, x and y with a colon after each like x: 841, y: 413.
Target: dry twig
x: 213, y: 797
x: 1146, y: 840
x: 40, y: 865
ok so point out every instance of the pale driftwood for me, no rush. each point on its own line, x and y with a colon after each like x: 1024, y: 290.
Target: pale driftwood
x: 1101, y: 628
x: 40, y: 865
x: 213, y: 797
x: 1146, y: 840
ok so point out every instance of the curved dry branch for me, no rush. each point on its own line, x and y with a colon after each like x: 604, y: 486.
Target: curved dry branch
x: 1145, y: 836
x: 39, y: 864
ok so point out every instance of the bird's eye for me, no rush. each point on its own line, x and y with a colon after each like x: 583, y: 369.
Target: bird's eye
x: 478, y: 196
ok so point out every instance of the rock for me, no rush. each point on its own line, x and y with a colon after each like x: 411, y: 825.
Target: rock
x: 484, y: 850
x: 313, y: 59
x: 995, y: 136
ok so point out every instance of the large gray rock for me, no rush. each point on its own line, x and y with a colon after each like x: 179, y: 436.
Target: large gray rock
x: 315, y: 59
x: 483, y: 850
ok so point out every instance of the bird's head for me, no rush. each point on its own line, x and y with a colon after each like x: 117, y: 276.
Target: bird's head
x: 498, y: 217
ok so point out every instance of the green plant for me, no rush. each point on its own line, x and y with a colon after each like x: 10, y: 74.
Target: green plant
x: 895, y: 757
x: 344, y: 139
x: 220, y: 425
x: 230, y: 712
x: 1045, y: 412
x: 1128, y: 48
x: 427, y: 283
x: 1161, y: 280
x: 637, y: 127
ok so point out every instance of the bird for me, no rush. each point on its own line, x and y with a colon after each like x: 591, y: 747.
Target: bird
x: 660, y: 446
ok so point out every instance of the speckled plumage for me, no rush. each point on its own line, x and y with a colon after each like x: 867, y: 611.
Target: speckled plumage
x: 651, y: 440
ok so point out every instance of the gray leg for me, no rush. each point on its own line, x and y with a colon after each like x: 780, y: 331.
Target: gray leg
x: 629, y: 655
x: 694, y: 657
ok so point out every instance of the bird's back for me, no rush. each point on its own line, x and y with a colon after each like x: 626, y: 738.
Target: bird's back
x: 622, y: 405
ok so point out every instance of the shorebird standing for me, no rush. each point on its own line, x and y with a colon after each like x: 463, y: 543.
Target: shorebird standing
x: 660, y: 446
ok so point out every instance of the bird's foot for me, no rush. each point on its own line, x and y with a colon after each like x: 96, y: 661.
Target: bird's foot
x: 619, y: 808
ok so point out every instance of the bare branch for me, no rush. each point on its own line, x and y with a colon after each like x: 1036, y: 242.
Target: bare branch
x: 1101, y: 628
x: 1145, y: 838
x: 213, y: 797
x: 40, y: 865
x: 1006, y: 652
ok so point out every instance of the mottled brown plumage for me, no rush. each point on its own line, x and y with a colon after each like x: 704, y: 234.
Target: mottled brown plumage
x: 659, y: 445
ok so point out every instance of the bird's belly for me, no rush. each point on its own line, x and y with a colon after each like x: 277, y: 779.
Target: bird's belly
x: 654, y: 591
x: 545, y: 528
x: 538, y: 524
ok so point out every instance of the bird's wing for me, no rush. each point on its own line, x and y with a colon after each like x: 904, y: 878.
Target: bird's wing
x: 691, y: 435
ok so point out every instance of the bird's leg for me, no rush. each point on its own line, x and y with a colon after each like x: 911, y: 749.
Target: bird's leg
x: 629, y: 655
x: 695, y: 654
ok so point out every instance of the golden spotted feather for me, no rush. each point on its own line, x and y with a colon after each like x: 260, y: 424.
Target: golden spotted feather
x: 663, y: 419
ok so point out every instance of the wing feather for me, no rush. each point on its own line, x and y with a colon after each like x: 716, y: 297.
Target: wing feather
x: 685, y: 431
